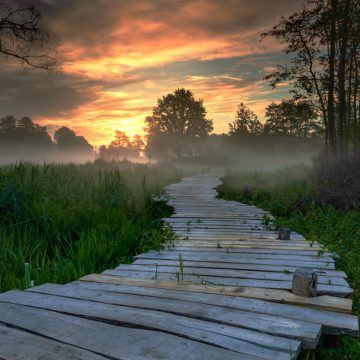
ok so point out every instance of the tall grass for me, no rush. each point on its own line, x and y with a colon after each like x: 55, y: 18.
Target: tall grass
x: 289, y: 195
x: 69, y: 220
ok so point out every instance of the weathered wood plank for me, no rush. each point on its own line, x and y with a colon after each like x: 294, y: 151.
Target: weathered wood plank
x: 324, y: 302
x: 21, y: 345
x: 242, y: 235
x: 295, y: 329
x: 323, y: 262
x: 263, y: 275
x: 334, y: 290
x: 236, y: 243
x: 308, y: 252
x: 110, y: 340
x: 334, y: 323
x: 224, y: 336
x: 234, y: 266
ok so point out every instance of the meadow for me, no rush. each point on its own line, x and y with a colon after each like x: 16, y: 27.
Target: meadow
x: 289, y: 194
x: 69, y: 220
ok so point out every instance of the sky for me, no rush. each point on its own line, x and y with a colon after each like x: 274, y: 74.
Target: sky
x: 117, y: 57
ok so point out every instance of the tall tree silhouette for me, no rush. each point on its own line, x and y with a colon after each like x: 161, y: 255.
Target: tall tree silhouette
x: 291, y: 117
x: 246, y: 122
x: 323, y: 39
x: 177, y: 125
x: 20, y: 136
x: 67, y: 140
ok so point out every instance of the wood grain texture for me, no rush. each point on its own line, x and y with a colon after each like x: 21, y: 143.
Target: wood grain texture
x: 110, y: 340
x: 330, y: 303
x: 210, y: 333
x: 275, y: 325
x: 332, y: 322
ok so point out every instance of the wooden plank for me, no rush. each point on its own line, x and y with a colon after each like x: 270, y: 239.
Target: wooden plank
x: 223, y: 228
x: 200, y: 215
x: 109, y: 340
x: 234, y: 266
x: 333, y: 290
x: 263, y: 323
x: 250, y: 236
x: 308, y: 252
x: 236, y: 244
x: 244, y: 240
x: 264, y: 275
x: 324, y: 302
x: 214, y: 220
x: 323, y: 262
x: 228, y: 229
x: 334, y: 323
x: 227, y: 337
x: 319, y: 266
x: 20, y: 345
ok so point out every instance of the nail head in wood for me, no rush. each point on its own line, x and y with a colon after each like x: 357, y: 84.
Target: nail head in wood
x: 284, y: 234
x: 305, y: 282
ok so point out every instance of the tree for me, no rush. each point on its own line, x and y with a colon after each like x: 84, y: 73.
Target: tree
x: 67, y: 140
x: 137, y: 143
x: 20, y: 136
x: 177, y: 125
x: 7, y: 125
x: 246, y: 122
x: 323, y: 40
x: 121, y: 140
x: 122, y: 147
x: 294, y: 118
x: 22, y: 37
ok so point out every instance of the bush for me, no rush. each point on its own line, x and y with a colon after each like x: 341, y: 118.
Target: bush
x: 336, y: 181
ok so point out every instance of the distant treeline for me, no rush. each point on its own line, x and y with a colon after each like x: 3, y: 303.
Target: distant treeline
x: 23, y: 137
x: 179, y: 129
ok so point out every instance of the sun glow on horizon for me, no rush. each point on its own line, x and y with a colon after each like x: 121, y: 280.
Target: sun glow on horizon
x: 145, y: 51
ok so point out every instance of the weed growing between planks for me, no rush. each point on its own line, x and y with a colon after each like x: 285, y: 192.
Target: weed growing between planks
x: 69, y: 220
x: 288, y: 195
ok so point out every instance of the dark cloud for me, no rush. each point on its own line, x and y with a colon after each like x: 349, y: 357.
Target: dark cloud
x: 119, y: 56
x: 24, y: 92
x: 98, y: 25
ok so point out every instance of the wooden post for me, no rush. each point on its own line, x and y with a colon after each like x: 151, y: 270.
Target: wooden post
x: 305, y: 282
x: 284, y: 234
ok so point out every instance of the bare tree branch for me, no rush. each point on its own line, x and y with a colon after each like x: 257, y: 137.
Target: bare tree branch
x: 22, y: 37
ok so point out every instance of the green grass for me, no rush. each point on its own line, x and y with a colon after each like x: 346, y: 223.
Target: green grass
x: 288, y: 195
x: 69, y: 220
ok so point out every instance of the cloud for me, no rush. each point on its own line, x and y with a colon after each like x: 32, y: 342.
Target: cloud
x: 118, y: 57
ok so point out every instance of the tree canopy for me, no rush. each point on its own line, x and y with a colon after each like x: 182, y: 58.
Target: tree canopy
x: 122, y: 147
x: 23, y: 134
x: 67, y: 140
x: 324, y: 44
x: 246, y: 122
x: 177, y: 125
x: 291, y: 117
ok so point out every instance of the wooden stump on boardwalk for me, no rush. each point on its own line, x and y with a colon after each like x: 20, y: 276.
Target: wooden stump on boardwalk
x: 305, y: 282
x: 284, y: 234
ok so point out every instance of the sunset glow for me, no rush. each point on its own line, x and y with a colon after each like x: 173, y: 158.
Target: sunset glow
x: 132, y: 52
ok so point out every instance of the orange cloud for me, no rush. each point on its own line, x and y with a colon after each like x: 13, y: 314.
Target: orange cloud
x: 113, y: 47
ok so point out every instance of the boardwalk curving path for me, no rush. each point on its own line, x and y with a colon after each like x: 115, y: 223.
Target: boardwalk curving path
x: 220, y: 290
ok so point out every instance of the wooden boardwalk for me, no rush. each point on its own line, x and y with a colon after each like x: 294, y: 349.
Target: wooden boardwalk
x: 219, y: 291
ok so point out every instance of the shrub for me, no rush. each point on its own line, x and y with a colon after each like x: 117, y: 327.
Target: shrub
x: 336, y: 181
